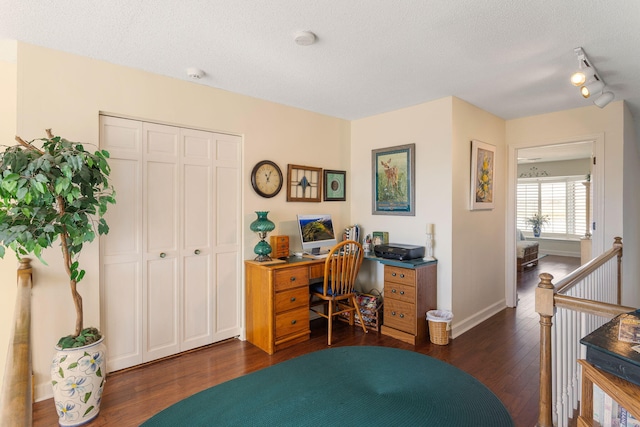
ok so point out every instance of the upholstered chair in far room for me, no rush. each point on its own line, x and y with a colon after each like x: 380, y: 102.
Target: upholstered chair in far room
x: 336, y: 294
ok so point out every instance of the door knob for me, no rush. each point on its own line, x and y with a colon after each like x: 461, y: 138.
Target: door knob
x: 162, y: 255
x: 197, y: 252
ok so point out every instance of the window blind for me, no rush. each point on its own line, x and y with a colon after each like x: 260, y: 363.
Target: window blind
x: 562, y: 199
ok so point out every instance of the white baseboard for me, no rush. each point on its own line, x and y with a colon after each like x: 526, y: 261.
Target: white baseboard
x: 458, y: 328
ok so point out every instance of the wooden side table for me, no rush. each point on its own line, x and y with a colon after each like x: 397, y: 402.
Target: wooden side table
x: 625, y: 393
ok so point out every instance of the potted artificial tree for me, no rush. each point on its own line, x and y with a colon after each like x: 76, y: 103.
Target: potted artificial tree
x: 52, y: 188
x: 537, y: 221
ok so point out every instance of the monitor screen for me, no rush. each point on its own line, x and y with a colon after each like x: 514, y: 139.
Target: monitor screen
x: 316, y: 233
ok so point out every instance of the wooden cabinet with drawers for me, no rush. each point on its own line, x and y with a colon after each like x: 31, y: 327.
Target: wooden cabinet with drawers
x: 408, y: 294
x: 279, y: 246
x: 277, y: 302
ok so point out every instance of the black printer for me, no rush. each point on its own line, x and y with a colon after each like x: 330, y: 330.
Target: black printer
x: 398, y: 251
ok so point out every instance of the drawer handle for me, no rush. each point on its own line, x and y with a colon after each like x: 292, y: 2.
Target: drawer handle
x: 197, y: 252
x: 393, y: 274
x: 293, y: 278
x: 162, y: 255
x: 393, y: 313
x: 402, y: 276
x: 293, y: 299
x: 393, y: 291
x: 402, y: 316
x: 401, y: 292
x: 293, y: 322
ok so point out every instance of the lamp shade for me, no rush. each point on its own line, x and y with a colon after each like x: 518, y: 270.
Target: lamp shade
x: 604, y: 99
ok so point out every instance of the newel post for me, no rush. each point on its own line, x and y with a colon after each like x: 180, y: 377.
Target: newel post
x: 545, y: 308
x: 617, y: 243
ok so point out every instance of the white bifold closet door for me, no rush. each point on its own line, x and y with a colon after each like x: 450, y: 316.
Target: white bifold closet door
x: 171, y: 263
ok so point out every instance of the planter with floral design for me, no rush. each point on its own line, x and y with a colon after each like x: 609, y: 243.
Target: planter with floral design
x: 78, y: 376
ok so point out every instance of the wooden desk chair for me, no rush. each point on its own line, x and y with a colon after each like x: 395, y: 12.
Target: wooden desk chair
x: 336, y: 293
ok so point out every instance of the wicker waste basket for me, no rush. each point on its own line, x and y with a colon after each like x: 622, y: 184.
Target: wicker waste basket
x: 439, y: 321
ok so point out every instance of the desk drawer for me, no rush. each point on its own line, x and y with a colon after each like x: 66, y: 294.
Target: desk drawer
x: 292, y: 298
x: 400, y: 315
x: 292, y: 321
x: 291, y: 278
x: 406, y: 276
x: 400, y: 292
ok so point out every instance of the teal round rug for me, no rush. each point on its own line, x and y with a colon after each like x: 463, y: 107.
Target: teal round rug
x: 349, y: 386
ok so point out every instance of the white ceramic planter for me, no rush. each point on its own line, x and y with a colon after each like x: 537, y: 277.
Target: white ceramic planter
x: 78, y: 376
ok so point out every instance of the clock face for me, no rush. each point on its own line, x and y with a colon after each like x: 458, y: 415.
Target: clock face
x: 266, y: 178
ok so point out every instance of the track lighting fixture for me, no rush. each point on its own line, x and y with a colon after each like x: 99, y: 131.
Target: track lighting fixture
x: 604, y: 99
x: 588, y: 80
x: 593, y: 86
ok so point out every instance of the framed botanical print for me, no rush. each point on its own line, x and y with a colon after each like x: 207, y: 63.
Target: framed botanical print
x: 304, y: 183
x: 335, y: 186
x: 483, y: 158
x: 393, y: 180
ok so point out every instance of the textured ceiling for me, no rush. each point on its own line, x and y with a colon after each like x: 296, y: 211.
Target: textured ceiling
x: 511, y: 58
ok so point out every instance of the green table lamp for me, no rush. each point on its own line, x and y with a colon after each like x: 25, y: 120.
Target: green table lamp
x: 262, y: 225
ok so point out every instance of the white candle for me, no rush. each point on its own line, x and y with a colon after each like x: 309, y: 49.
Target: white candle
x: 429, y: 228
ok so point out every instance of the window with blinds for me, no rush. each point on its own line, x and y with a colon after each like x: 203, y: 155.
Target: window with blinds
x: 562, y: 199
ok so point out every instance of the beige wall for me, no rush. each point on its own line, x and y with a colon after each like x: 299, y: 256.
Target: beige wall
x: 631, y: 212
x: 67, y: 92
x: 8, y: 85
x: 615, y: 141
x: 478, y: 283
x: 469, y: 245
x: 429, y: 127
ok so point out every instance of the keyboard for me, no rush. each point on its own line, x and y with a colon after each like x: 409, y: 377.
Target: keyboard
x: 317, y: 256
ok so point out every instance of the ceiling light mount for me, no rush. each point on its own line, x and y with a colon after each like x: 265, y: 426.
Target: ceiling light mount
x: 304, y: 38
x: 589, y: 81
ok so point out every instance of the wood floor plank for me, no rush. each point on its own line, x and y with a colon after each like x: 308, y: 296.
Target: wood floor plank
x: 502, y: 353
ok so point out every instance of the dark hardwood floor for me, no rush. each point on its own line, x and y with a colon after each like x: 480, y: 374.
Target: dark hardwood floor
x: 502, y: 353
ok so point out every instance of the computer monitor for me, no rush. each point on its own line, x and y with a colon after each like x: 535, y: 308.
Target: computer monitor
x: 316, y: 233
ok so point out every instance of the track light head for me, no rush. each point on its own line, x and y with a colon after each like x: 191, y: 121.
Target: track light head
x: 578, y: 78
x: 604, y: 99
x: 594, y: 86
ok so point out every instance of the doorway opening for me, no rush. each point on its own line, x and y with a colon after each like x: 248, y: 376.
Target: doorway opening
x: 560, y: 182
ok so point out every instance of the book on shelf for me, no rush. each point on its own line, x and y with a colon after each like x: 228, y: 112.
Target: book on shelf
x: 608, y: 413
x: 352, y: 233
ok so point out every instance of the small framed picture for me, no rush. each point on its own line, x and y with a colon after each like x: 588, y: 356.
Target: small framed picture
x: 304, y: 183
x: 335, y: 186
x: 483, y: 157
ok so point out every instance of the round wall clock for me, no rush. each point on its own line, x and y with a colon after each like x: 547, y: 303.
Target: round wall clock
x: 266, y: 178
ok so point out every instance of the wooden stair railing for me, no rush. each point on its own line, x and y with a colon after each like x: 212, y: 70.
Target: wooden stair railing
x: 16, y: 399
x: 549, y: 298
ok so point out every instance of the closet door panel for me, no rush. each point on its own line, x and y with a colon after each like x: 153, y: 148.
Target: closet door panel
x: 228, y: 294
x: 161, y: 227
x: 121, y: 249
x: 162, y: 295
x: 197, y: 312
x: 197, y: 309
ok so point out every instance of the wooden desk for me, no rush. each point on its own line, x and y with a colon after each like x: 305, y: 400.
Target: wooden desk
x: 625, y: 393
x: 277, y: 301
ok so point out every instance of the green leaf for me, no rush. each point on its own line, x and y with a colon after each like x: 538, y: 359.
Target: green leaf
x: 89, y: 409
x: 86, y: 397
x: 72, y: 365
x: 99, y: 372
x: 2, y: 251
x: 61, y: 373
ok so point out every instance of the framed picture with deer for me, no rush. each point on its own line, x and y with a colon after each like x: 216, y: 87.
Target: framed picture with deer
x: 393, y: 180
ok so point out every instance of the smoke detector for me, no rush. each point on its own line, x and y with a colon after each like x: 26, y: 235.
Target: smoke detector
x: 195, y: 73
x: 304, y: 38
